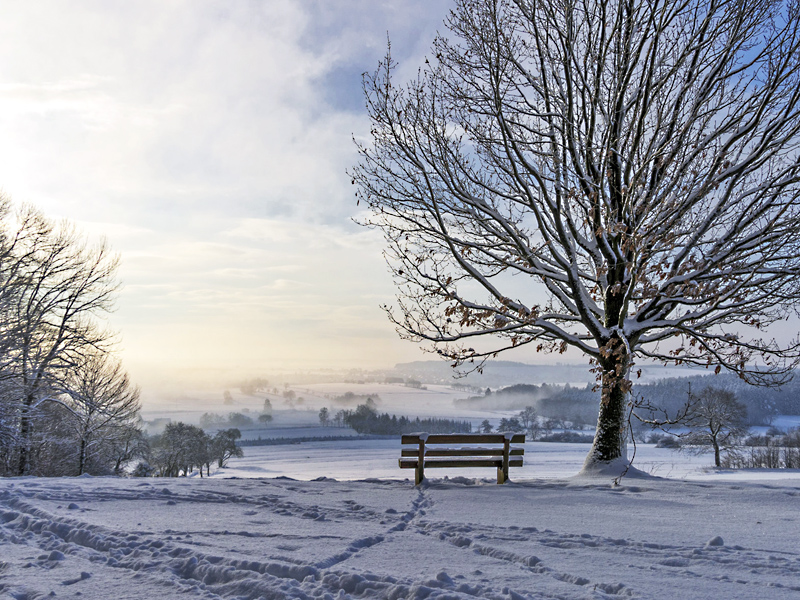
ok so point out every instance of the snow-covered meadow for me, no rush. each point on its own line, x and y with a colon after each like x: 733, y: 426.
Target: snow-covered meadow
x: 377, y: 459
x: 369, y: 533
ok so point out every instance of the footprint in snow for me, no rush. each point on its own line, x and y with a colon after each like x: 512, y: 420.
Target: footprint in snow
x: 84, y: 575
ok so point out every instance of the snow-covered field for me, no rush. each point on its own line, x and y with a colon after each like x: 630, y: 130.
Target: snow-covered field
x: 545, y: 535
x: 339, y: 519
x: 359, y: 459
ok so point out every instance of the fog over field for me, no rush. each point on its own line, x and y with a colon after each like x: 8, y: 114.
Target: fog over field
x: 443, y: 383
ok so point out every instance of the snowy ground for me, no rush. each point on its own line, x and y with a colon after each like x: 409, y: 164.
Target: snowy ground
x: 360, y: 459
x: 349, y: 524
x: 545, y: 535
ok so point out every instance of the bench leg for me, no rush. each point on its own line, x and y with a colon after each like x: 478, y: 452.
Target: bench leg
x: 502, y: 472
x: 419, y: 473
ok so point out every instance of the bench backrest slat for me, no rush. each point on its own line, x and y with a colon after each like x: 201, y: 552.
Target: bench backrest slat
x: 462, y: 452
x: 465, y: 438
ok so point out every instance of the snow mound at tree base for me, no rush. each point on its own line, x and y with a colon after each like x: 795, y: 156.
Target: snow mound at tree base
x: 620, y: 467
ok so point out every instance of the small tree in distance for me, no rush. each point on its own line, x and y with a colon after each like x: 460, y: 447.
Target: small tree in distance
x: 616, y: 178
x: 180, y: 447
x: 251, y: 387
x: 485, y: 426
x: 530, y: 421
x: 510, y: 424
x: 716, y: 419
x: 223, y: 446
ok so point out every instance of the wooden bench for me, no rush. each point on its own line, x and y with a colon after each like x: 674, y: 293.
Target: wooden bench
x: 469, y: 452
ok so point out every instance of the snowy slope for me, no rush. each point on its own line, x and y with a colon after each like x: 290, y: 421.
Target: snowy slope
x: 101, y: 538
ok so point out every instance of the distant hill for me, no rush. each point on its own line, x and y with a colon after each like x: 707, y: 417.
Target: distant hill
x: 498, y: 373
x: 503, y: 373
x: 579, y: 404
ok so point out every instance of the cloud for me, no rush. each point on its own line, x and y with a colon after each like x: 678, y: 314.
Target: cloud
x: 208, y: 141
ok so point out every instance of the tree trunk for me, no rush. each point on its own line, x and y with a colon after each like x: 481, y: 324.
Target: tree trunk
x: 82, y: 457
x: 24, y: 427
x: 716, y: 452
x: 24, y: 435
x: 610, y: 443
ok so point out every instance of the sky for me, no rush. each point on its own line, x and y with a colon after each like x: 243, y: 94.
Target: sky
x: 208, y: 141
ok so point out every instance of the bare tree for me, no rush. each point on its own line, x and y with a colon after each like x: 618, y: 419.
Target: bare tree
x: 51, y: 444
x: 104, y: 406
x: 529, y: 419
x: 510, y: 424
x: 223, y: 446
x: 716, y: 419
x: 52, y: 285
x: 180, y: 447
x: 617, y: 177
x: 128, y: 444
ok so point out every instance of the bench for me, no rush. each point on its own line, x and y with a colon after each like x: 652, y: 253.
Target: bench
x: 469, y: 452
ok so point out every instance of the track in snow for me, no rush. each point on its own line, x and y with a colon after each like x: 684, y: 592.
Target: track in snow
x: 285, y: 539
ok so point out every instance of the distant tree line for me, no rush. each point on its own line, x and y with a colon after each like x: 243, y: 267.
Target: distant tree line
x: 252, y: 387
x: 365, y: 419
x: 761, y: 404
x: 234, y: 419
x: 775, y: 450
x: 536, y: 428
x: 714, y: 421
x: 352, y: 399
x: 290, y: 441
x: 562, y: 403
x: 527, y: 420
x: 578, y: 405
x: 66, y: 405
